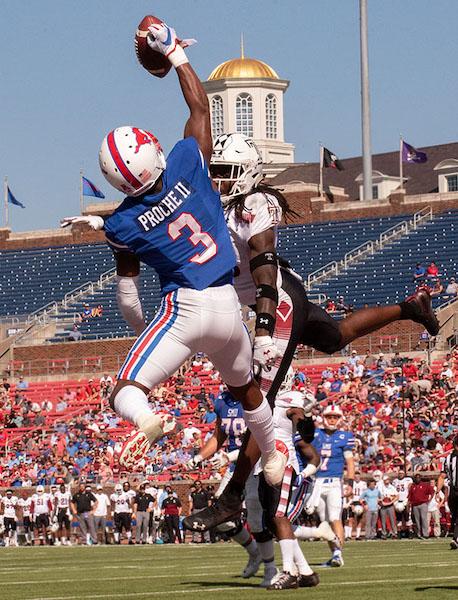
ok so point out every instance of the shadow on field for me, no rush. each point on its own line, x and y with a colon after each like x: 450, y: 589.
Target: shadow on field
x: 232, y: 584
x: 436, y: 587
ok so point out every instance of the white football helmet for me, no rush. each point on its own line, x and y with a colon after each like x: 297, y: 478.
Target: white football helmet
x: 357, y: 509
x: 118, y: 488
x: 400, y: 506
x: 40, y: 489
x: 131, y: 159
x: 287, y: 383
x: 236, y: 158
x: 335, y: 411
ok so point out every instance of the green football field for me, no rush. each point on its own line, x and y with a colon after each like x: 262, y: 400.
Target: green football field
x: 393, y: 570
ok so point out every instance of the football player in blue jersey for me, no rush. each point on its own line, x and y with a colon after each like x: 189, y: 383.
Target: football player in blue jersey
x: 336, y: 451
x: 228, y: 434
x: 172, y: 220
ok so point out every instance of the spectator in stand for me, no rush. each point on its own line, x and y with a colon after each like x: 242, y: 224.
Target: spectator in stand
x: 210, y: 415
x: 436, y: 288
x: 320, y: 393
x: 5, y: 385
x: 382, y: 362
x: 22, y: 384
x: 432, y: 271
x: 342, y: 306
x: 419, y: 272
x: 195, y: 380
x: 353, y: 359
x: 75, y: 334
x: 106, y: 385
x: 61, y: 405
x: 189, y: 432
x: 446, y: 371
x: 420, y: 494
x: 452, y: 287
x: 330, y: 306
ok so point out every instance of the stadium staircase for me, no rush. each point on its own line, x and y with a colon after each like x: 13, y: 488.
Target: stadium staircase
x: 385, y: 274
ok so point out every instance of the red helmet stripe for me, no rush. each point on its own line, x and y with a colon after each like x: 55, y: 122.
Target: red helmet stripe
x: 123, y: 169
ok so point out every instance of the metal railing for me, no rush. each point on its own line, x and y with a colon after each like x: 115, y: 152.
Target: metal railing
x: 370, y: 247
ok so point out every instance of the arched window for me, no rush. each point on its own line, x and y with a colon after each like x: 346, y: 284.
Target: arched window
x: 217, y: 116
x: 244, y: 114
x: 271, y: 116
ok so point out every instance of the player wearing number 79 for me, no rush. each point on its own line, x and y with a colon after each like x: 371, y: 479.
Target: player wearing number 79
x: 172, y: 220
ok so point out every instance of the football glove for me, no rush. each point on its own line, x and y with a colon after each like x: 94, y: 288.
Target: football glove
x: 219, y: 460
x: 265, y: 353
x: 93, y: 221
x: 163, y: 39
x: 194, y: 462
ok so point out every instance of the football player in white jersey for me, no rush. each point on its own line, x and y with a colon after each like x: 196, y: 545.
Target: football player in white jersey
x: 356, y: 506
x: 283, y: 504
x: 122, y: 513
x: 402, y: 485
x: 27, y: 522
x: 101, y: 513
x: 285, y: 317
x: 62, y: 515
x: 40, y: 510
x: 9, y: 504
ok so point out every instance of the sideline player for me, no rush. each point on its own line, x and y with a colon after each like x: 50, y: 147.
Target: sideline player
x: 357, y: 512
x: 9, y: 504
x: 27, y: 522
x: 122, y: 512
x: 402, y: 485
x: 230, y: 426
x: 62, y: 515
x: 172, y: 220
x: 285, y: 317
x: 336, y: 451
x: 283, y: 504
x: 40, y: 510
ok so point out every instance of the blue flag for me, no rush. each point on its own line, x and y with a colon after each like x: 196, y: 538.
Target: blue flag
x: 412, y: 155
x: 12, y: 199
x: 89, y: 189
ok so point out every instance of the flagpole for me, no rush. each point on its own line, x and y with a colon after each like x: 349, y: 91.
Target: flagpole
x: 321, y: 169
x: 5, y: 197
x: 81, y: 192
x: 401, y: 173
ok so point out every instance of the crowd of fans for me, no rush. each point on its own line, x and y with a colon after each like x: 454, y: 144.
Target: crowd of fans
x: 431, y: 277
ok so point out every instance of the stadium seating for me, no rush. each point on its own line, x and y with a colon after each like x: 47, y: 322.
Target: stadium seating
x: 386, y: 277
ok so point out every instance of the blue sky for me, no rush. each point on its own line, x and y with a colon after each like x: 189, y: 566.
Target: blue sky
x: 69, y: 74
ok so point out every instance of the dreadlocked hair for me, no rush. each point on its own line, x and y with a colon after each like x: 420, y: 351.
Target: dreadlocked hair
x: 237, y: 202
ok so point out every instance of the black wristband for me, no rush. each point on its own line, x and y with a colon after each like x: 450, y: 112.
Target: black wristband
x: 267, y: 291
x: 266, y: 258
x: 265, y: 321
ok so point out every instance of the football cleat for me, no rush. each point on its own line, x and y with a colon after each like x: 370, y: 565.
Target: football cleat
x: 284, y: 581
x: 454, y: 545
x: 273, y: 465
x: 228, y: 506
x: 311, y: 580
x: 252, y: 567
x: 336, y: 560
x: 138, y: 444
x: 269, y: 576
x: 420, y: 301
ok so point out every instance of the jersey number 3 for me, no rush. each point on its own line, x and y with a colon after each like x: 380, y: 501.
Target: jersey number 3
x: 196, y: 237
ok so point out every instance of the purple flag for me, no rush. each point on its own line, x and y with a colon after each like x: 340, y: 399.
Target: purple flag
x: 412, y: 155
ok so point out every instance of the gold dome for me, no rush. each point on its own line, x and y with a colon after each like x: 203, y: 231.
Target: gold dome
x: 238, y: 68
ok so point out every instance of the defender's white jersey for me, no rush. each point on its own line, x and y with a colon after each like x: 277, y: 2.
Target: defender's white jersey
x: 9, y: 506
x: 62, y: 500
x: 25, y: 503
x: 121, y: 502
x: 41, y: 503
x: 402, y: 487
x: 283, y: 426
x: 358, y: 489
x: 260, y: 212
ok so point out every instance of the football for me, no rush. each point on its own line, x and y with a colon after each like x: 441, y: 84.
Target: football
x: 154, y: 62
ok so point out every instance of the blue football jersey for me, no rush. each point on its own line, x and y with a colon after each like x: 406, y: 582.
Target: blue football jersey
x: 331, y: 448
x: 230, y: 411
x: 181, y: 231
x: 303, y: 462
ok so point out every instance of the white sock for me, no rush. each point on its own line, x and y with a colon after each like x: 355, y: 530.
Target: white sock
x: 306, y: 533
x: 131, y: 403
x: 347, y: 531
x: 129, y: 535
x: 116, y: 537
x: 287, y: 555
x: 358, y: 532
x: 259, y: 422
x: 300, y: 560
x: 266, y: 549
x: 245, y: 539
